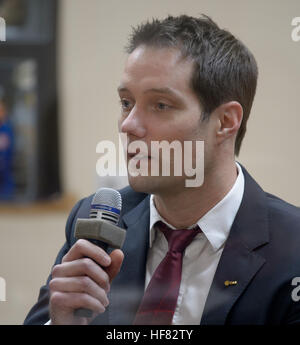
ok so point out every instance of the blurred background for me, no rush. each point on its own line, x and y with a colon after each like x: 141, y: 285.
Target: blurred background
x: 60, y: 66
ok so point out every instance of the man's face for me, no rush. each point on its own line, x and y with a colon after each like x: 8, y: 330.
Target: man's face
x: 157, y: 103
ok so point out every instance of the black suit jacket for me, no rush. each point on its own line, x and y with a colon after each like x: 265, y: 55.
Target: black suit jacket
x: 262, y: 253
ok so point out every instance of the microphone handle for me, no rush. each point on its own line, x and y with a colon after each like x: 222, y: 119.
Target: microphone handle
x: 101, y: 233
x: 85, y: 312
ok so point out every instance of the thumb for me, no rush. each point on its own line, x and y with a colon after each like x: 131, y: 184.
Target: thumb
x: 113, y: 269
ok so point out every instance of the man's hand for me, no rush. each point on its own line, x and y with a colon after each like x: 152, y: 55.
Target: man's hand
x: 82, y: 280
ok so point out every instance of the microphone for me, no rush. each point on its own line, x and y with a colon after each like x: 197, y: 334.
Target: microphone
x: 101, y: 226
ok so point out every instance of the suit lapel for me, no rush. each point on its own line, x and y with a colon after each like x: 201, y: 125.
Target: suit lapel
x: 127, y: 288
x: 239, y: 262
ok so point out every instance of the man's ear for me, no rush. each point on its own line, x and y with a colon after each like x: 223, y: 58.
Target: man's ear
x: 230, y: 117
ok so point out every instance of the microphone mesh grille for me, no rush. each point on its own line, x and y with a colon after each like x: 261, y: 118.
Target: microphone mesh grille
x: 109, y: 197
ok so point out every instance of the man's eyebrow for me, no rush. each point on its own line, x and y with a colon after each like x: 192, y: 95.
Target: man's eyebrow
x: 162, y: 90
x: 122, y: 89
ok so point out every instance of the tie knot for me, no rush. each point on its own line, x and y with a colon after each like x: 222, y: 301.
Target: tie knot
x: 178, y: 239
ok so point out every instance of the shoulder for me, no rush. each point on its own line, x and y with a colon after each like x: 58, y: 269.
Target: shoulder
x: 284, y: 229
x: 282, y: 212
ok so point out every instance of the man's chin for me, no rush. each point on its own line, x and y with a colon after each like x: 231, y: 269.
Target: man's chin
x: 140, y: 184
x: 151, y: 184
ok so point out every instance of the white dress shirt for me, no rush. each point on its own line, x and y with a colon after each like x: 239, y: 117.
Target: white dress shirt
x: 201, y: 257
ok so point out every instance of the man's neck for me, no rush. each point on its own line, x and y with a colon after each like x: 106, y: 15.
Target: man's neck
x: 186, y: 208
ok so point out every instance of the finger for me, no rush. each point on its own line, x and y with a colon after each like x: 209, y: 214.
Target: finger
x: 75, y: 300
x: 83, y: 248
x: 82, y: 267
x: 79, y: 284
x: 117, y: 257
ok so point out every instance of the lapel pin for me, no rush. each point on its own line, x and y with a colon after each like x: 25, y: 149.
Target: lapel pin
x: 230, y: 282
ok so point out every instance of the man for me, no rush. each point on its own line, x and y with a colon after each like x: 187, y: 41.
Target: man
x: 186, y: 80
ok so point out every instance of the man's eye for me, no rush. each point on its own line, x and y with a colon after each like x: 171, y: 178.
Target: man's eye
x: 162, y: 106
x: 125, y: 104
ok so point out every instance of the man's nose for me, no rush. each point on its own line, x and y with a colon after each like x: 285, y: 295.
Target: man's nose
x: 134, y: 123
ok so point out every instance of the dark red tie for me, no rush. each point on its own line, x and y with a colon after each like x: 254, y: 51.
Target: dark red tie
x: 160, y: 298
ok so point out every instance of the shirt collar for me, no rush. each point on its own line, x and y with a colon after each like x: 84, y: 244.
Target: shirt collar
x: 217, y: 222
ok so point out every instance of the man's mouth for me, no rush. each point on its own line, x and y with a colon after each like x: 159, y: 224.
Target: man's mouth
x: 138, y: 156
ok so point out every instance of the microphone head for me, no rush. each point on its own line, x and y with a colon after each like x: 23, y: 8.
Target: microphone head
x: 106, y: 205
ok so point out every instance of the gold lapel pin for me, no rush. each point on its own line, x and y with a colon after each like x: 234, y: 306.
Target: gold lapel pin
x: 230, y: 282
